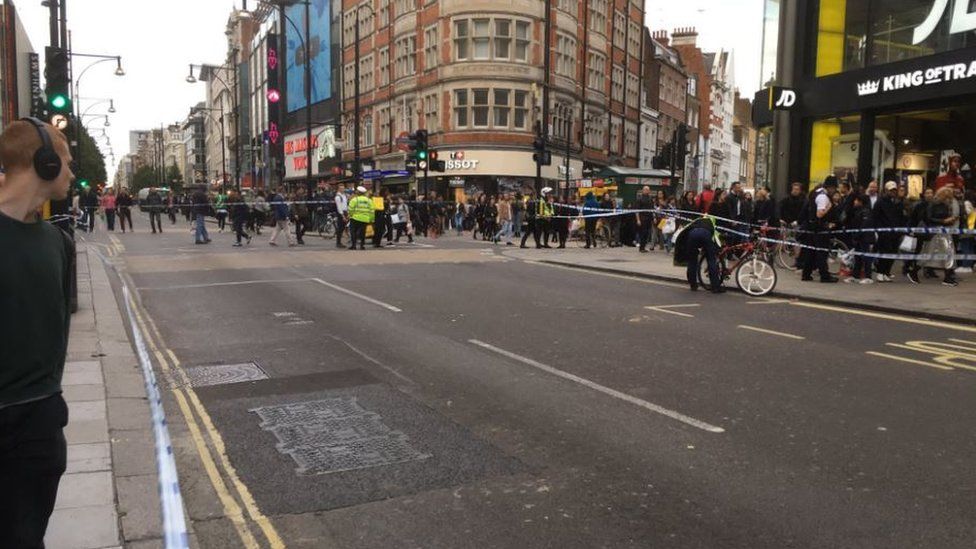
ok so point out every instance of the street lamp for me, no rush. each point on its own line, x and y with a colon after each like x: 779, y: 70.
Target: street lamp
x: 223, y: 144
x: 93, y: 118
x: 214, y: 71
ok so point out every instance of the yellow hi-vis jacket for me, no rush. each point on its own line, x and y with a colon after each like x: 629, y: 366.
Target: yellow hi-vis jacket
x: 544, y: 210
x: 361, y: 209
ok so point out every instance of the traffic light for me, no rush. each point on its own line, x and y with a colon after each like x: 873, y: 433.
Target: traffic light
x: 435, y: 164
x: 541, y: 155
x: 57, y: 85
x: 681, y: 150
x: 419, y: 149
x: 82, y: 183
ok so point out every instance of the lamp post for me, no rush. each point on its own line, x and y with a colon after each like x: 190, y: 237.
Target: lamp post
x: 213, y: 70
x: 119, y: 71
x: 93, y: 118
x: 223, y: 143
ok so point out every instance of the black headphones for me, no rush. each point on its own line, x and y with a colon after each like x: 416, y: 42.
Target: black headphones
x: 47, y: 162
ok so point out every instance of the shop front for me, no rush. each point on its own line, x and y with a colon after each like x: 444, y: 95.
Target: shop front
x: 324, y: 157
x: 886, y: 91
x: 469, y: 172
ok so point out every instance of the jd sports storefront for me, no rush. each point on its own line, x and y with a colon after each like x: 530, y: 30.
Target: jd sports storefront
x: 885, y: 89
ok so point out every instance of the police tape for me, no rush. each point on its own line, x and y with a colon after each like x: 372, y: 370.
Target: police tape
x: 175, y: 533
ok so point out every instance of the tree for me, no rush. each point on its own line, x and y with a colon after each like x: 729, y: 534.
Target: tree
x: 90, y: 161
x: 174, y: 178
x: 144, y: 177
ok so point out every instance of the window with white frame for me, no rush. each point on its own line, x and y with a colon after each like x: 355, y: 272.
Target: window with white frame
x: 349, y: 80
x: 495, y: 38
x: 349, y: 28
x: 561, y: 120
x: 430, y: 112
x: 598, y: 16
x: 565, y: 55
x: 568, y: 6
x: 633, y: 90
x: 406, y: 58
x: 384, y: 66
x: 630, y: 139
x: 596, y: 133
x: 401, y: 7
x: 596, y: 71
x: 497, y: 108
x: 366, y: 135
x: 430, y: 47
x: 366, y: 74
x: 367, y: 21
x: 384, y: 14
x: 634, y: 39
x: 617, y: 88
x: 619, y: 29
x: 614, y: 134
x: 384, y: 115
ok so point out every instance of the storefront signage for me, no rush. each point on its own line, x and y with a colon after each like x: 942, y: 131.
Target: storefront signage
x: 918, y: 78
x: 456, y: 182
x: 326, y: 144
x: 457, y: 161
x: 296, y: 157
x: 962, y: 20
x: 781, y: 99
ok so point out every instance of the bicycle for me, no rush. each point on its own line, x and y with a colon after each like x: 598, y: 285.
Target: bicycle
x: 324, y: 224
x: 601, y: 235
x: 753, y: 274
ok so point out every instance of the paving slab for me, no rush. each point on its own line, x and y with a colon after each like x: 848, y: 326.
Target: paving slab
x: 85, y: 527
x: 85, y: 490
x: 84, y: 458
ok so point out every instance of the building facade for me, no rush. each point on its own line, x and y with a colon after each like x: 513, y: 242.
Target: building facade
x: 666, y: 84
x: 195, y: 146
x: 685, y: 42
x: 476, y: 77
x: 20, y: 86
x: 881, y: 90
x: 722, y: 159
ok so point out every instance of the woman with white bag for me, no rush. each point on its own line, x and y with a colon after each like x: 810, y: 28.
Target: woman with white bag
x: 939, y: 214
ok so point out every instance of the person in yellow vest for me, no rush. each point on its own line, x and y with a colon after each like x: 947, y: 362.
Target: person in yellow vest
x: 543, y: 217
x: 361, y: 214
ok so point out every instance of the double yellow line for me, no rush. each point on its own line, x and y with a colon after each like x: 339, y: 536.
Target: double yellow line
x: 214, y: 460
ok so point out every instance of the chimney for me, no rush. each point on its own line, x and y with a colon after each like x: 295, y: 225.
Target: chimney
x: 661, y: 36
x: 685, y: 36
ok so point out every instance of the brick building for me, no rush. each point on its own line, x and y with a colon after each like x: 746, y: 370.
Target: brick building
x: 666, y: 84
x: 474, y: 76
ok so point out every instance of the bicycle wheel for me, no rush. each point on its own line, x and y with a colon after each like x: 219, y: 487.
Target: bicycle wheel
x: 602, y: 236
x: 703, y: 279
x: 787, y: 253
x: 328, y: 227
x: 834, y: 261
x: 755, y: 276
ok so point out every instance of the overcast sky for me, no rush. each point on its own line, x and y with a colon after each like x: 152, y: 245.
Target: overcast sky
x: 158, y: 39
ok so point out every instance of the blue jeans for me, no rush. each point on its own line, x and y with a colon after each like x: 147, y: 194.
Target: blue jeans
x: 459, y: 223
x: 506, y: 230
x: 201, y: 230
x: 967, y: 246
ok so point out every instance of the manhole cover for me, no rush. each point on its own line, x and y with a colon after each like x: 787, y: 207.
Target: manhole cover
x: 223, y: 374
x: 334, y: 435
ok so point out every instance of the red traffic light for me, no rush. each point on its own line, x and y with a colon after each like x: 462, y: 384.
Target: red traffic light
x: 433, y: 155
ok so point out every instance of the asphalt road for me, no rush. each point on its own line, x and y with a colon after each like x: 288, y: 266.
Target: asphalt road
x: 444, y: 395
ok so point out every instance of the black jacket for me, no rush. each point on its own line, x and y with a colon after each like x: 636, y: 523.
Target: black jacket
x: 789, y: 208
x: 763, y: 212
x: 888, y: 213
x: 862, y: 218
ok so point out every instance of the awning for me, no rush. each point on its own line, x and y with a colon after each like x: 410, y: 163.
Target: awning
x: 640, y: 173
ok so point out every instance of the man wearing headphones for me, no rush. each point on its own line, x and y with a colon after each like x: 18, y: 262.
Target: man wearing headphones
x: 34, y: 321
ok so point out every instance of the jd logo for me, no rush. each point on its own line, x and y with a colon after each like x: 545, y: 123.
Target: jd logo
x: 962, y: 19
x: 786, y: 99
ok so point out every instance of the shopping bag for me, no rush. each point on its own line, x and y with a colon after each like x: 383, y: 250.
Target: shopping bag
x: 395, y: 219
x: 908, y: 243
x: 669, y: 226
x: 940, y: 246
x: 369, y: 231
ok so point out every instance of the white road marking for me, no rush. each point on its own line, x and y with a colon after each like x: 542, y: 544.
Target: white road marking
x: 373, y: 360
x: 770, y: 332
x: 768, y: 301
x: 909, y: 360
x: 666, y: 309
x: 218, y: 284
x: 600, y: 388
x: 386, y: 306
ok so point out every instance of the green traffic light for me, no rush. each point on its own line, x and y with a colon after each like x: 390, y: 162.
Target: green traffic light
x: 422, y: 155
x: 59, y: 101
x: 83, y: 183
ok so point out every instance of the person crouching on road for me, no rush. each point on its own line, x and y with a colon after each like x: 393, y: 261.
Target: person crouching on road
x: 361, y: 214
x: 239, y: 214
x: 700, y: 237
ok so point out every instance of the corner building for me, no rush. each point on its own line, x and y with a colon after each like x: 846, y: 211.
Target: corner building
x: 884, y: 90
x: 473, y: 74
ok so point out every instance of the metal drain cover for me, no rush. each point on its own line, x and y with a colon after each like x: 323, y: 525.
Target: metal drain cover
x: 334, y: 435
x: 223, y: 374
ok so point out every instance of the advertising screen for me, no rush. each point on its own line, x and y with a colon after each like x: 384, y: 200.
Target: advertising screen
x: 320, y: 54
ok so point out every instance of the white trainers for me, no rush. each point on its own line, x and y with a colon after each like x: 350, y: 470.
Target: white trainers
x: 869, y: 281
x: 964, y: 270
x: 879, y: 277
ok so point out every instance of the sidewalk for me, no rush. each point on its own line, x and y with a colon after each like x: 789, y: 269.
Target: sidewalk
x: 930, y: 299
x: 108, y: 496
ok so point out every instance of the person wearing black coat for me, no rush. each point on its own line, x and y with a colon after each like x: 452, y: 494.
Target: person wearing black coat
x: 763, y: 209
x: 861, y: 219
x: 889, y: 213
x: 790, y: 207
x: 239, y: 214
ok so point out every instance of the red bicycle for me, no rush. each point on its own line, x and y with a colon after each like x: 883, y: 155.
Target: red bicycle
x: 753, y: 274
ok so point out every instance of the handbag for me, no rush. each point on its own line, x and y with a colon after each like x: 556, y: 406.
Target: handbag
x: 670, y: 225
x: 908, y: 244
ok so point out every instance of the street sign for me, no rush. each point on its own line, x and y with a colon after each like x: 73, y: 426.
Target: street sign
x: 373, y: 174
x: 410, y: 164
x: 403, y: 142
x: 422, y: 165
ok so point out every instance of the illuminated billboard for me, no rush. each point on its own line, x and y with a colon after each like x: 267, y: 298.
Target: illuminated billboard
x: 320, y: 55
